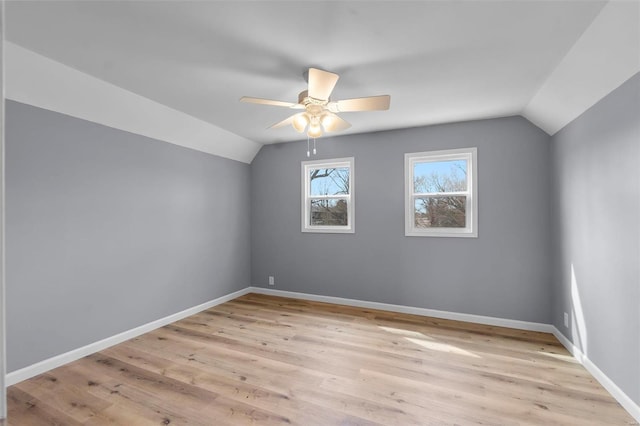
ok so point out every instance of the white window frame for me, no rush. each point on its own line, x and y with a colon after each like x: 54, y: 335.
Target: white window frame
x: 306, y: 197
x: 471, y: 216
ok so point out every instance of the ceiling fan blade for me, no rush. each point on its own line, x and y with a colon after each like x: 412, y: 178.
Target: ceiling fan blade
x: 267, y: 102
x: 287, y: 121
x: 332, y: 123
x: 321, y: 83
x: 371, y: 103
x: 292, y: 120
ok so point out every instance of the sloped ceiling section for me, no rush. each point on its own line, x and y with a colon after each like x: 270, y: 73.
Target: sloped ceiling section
x: 36, y: 80
x: 605, y: 56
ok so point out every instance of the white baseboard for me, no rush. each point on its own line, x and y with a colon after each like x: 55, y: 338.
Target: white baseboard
x: 478, y: 319
x: 605, y: 381
x: 58, y: 360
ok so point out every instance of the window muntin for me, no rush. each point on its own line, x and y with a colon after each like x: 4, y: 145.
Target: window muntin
x: 440, y: 193
x: 327, y: 196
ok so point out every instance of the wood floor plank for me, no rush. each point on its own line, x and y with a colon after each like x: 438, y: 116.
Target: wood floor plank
x: 245, y: 391
x: 25, y: 409
x: 269, y: 360
x: 72, y: 400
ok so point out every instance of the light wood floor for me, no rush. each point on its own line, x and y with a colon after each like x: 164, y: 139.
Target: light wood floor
x: 269, y: 360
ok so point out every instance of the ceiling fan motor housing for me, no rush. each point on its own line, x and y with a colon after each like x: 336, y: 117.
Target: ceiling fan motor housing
x: 308, y: 102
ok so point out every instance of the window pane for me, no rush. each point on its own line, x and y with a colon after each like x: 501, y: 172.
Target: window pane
x: 440, y: 176
x: 440, y: 212
x: 329, y: 181
x: 329, y: 212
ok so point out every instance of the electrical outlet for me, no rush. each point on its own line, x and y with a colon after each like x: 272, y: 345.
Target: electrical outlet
x: 566, y: 320
x: 272, y: 280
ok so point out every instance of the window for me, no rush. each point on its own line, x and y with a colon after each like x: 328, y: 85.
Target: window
x: 327, y: 196
x: 441, y: 193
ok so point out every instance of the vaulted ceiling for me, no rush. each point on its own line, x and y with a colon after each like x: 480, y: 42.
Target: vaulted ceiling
x: 440, y: 61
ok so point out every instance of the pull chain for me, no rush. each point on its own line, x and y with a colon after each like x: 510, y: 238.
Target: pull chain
x: 309, y: 147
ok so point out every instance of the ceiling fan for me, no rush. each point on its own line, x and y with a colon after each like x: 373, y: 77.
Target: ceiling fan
x: 319, y: 111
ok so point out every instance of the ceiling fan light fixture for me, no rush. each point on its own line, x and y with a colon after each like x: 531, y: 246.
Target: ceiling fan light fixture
x: 300, y: 122
x: 328, y: 121
x: 315, y: 130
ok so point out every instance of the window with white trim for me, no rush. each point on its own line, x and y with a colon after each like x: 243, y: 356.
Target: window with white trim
x: 441, y: 193
x: 327, y: 196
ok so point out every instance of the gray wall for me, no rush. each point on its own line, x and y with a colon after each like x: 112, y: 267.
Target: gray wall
x: 503, y: 273
x: 3, y: 390
x: 107, y: 230
x: 597, y: 234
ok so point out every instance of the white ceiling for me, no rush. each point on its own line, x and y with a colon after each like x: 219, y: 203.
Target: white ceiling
x: 440, y: 61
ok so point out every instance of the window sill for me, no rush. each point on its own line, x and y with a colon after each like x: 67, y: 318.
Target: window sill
x: 328, y: 230
x: 448, y: 234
